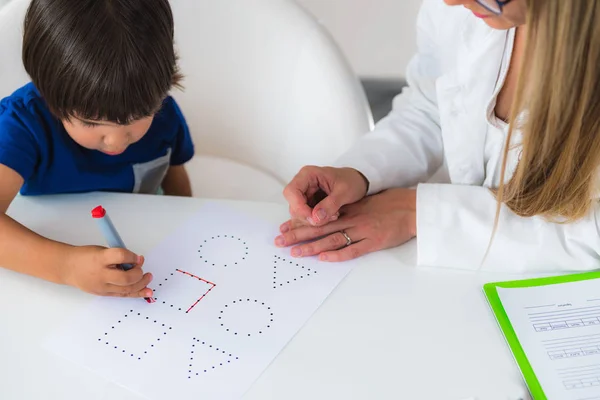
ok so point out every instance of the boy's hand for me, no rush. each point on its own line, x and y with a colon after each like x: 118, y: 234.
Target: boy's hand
x: 94, y: 270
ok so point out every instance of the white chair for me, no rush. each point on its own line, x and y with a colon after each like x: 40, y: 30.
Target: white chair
x: 266, y: 92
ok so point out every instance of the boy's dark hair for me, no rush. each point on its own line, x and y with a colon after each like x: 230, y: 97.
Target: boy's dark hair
x: 110, y: 60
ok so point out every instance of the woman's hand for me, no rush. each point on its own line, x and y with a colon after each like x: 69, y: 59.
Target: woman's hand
x: 377, y: 222
x: 316, y: 194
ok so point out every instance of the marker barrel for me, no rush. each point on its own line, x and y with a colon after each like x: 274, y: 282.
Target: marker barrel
x: 109, y: 232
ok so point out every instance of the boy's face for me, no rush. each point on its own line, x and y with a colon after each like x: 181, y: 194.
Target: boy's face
x: 106, y: 137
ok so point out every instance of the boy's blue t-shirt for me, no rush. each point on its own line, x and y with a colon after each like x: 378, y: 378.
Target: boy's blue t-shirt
x: 35, y: 144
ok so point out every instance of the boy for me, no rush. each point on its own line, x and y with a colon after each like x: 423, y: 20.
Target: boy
x: 96, y: 117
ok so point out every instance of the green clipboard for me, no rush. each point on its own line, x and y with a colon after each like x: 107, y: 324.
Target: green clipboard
x: 491, y: 292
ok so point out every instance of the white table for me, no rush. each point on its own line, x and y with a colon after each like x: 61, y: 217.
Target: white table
x: 389, y: 331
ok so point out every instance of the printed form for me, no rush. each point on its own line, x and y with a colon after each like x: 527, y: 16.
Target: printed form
x: 558, y: 327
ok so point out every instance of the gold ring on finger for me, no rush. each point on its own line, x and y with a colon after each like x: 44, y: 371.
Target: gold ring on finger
x: 348, y: 240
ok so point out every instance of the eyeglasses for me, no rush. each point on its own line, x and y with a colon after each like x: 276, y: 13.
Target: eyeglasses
x: 493, y: 6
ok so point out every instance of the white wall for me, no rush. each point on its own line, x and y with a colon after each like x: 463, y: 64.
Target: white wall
x: 377, y: 36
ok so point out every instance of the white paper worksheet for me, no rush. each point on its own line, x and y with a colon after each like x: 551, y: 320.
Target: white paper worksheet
x: 558, y: 327
x: 227, y: 302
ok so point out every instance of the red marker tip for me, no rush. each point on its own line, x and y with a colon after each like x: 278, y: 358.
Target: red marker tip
x: 98, y: 212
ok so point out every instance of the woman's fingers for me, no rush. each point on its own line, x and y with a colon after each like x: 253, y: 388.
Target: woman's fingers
x: 304, y: 233
x: 328, y: 207
x: 316, y: 194
x: 299, y: 192
x: 346, y: 187
x: 351, y: 252
x: 298, y: 223
x: 297, y: 200
x: 334, y: 241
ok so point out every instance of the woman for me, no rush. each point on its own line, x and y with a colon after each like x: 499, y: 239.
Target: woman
x: 505, y: 95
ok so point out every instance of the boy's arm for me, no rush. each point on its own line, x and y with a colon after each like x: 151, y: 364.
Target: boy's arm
x: 177, y: 182
x: 22, y: 250
x: 90, y: 268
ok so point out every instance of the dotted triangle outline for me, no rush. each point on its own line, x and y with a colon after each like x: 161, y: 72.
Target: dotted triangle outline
x: 229, y: 358
x: 304, y: 270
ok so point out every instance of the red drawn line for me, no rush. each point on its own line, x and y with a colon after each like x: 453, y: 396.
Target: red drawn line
x: 197, y: 277
x: 198, y: 301
x: 203, y: 280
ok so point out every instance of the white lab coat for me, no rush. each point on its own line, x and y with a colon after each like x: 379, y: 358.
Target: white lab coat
x: 440, y: 121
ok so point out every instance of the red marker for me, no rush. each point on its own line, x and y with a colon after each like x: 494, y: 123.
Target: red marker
x: 112, y: 237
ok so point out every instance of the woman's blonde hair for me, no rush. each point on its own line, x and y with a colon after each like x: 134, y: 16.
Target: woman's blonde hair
x: 559, y: 93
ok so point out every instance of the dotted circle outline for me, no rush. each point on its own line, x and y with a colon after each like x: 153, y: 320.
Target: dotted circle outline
x: 245, y: 244
x: 252, y: 301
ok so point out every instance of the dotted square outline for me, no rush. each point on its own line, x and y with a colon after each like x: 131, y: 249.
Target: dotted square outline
x: 212, y: 286
x: 139, y: 356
